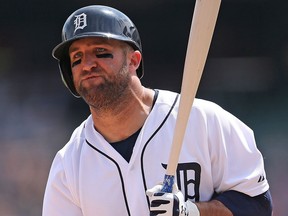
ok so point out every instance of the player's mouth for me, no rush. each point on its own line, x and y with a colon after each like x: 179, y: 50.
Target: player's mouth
x: 92, y: 79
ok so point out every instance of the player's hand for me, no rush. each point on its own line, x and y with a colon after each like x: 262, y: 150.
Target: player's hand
x: 170, y: 204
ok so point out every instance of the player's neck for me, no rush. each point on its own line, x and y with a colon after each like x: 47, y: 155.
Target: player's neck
x: 118, y: 126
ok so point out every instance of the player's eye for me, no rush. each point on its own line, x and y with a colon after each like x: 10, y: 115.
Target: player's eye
x: 103, y: 53
x: 77, y: 55
x: 100, y: 50
x: 76, y: 59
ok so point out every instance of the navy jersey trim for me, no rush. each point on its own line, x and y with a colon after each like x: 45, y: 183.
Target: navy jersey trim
x: 241, y: 204
x: 120, y: 174
x: 146, y: 144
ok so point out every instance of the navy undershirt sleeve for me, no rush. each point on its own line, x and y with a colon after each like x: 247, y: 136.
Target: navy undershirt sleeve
x: 243, y: 205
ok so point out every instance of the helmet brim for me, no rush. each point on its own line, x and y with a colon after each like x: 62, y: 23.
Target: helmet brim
x: 61, y: 49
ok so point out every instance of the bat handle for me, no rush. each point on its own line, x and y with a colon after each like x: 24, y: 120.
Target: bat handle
x: 168, y: 183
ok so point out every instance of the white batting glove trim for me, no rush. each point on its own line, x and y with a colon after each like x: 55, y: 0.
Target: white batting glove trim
x: 187, y: 208
x: 192, y: 208
x: 157, y: 188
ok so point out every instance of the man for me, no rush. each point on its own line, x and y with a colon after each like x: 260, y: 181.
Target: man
x: 120, y: 152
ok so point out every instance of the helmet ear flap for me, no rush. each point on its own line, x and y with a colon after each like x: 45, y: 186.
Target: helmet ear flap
x: 66, y: 75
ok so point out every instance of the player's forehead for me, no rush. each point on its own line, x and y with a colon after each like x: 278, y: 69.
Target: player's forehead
x: 93, y: 41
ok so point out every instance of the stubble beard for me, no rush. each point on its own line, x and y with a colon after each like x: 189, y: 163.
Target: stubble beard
x: 110, y: 94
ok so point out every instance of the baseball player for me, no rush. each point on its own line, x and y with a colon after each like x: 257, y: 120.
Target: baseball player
x: 116, y: 159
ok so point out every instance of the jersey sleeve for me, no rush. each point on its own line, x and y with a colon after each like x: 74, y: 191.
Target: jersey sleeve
x: 242, y: 204
x: 58, y: 198
x: 237, y: 164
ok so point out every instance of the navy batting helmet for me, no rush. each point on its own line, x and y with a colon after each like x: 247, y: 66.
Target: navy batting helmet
x: 94, y: 21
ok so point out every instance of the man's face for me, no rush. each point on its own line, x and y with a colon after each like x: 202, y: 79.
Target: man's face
x: 100, y: 70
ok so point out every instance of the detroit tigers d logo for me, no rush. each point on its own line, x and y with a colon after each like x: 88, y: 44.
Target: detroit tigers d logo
x: 80, y: 21
x: 188, y: 179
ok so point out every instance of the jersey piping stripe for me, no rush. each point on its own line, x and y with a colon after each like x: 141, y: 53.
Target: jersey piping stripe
x: 146, y: 144
x: 120, y: 174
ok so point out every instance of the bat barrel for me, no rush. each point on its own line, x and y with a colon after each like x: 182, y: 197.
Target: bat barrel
x: 201, y: 32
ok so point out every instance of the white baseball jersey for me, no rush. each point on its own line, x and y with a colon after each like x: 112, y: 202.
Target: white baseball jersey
x: 89, y: 177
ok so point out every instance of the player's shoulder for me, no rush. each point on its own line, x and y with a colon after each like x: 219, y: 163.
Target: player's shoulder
x: 211, y: 111
x: 199, y: 105
x: 165, y: 96
x: 216, y: 114
x: 75, y: 142
x: 206, y: 105
x: 168, y: 96
x: 66, y: 161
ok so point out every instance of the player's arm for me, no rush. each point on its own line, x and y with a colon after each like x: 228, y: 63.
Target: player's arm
x: 213, y: 208
x: 236, y: 203
x: 173, y: 204
x: 242, y: 204
x: 58, y: 199
x: 226, y: 204
x: 234, y: 141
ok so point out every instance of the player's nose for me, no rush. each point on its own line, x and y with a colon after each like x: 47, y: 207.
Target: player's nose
x: 89, y: 62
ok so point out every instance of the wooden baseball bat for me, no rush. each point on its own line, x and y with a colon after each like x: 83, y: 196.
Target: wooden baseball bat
x: 201, y: 32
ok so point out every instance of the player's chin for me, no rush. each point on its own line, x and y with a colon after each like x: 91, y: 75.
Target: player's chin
x: 90, y: 88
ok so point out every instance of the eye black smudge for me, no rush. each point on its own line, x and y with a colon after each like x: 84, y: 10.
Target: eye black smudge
x: 106, y: 55
x: 76, y: 63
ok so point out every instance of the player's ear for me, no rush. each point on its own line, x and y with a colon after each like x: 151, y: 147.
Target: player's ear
x: 135, y: 59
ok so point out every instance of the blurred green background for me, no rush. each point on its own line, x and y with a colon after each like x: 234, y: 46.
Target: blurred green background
x: 246, y: 73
